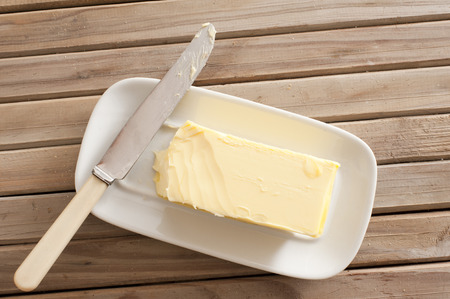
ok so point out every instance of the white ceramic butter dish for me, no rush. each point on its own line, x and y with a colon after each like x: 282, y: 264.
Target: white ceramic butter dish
x: 133, y: 204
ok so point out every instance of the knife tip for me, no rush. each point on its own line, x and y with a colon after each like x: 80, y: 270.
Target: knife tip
x: 211, y: 31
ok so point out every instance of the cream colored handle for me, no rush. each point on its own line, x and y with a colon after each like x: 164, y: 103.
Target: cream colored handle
x: 33, y: 269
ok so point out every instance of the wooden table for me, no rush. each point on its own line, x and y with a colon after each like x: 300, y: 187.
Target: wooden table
x: 379, y: 69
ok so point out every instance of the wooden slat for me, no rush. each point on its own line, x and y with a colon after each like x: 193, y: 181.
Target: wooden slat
x: 412, y: 187
x: 405, y: 139
x: 389, y: 240
x: 136, y: 24
x: 233, y: 60
x: 327, y: 98
x: 47, y: 169
x: 25, y: 219
x: 405, y: 238
x: 400, y: 188
x: 418, y: 281
x: 44, y: 123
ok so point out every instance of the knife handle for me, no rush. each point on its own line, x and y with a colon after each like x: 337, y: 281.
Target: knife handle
x: 47, y: 250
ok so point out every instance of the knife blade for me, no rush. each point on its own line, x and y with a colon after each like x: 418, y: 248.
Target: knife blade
x: 134, y: 138
x: 119, y: 158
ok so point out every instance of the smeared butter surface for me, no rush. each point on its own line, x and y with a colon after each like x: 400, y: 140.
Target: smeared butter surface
x: 237, y: 178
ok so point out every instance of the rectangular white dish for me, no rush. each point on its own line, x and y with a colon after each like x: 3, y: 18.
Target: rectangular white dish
x: 133, y: 204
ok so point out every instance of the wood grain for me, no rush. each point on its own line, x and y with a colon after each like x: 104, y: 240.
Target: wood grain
x: 119, y: 261
x: 44, y: 123
x: 412, y: 187
x: 405, y: 239
x: 25, y: 219
x: 327, y: 98
x: 233, y: 60
x: 47, y: 169
x: 417, y: 281
x: 353, y: 96
x: 89, y: 28
x: 393, y: 239
x: 405, y: 139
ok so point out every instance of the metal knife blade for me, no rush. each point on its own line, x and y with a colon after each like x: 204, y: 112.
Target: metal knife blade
x: 151, y: 114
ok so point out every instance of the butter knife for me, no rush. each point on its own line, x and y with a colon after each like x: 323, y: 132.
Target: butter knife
x: 119, y: 158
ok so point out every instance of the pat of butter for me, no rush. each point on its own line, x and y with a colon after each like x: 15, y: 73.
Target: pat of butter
x: 237, y: 178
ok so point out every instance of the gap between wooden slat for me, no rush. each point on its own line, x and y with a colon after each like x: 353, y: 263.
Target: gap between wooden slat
x: 19, y: 6
x: 415, y: 281
x: 233, y: 60
x: 395, y: 239
x: 138, y: 24
x: 400, y: 188
x: 328, y: 98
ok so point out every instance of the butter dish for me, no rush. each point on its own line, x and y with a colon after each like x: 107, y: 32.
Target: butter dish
x: 134, y: 205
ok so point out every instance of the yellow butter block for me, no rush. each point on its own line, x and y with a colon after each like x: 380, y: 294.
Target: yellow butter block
x: 237, y: 178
